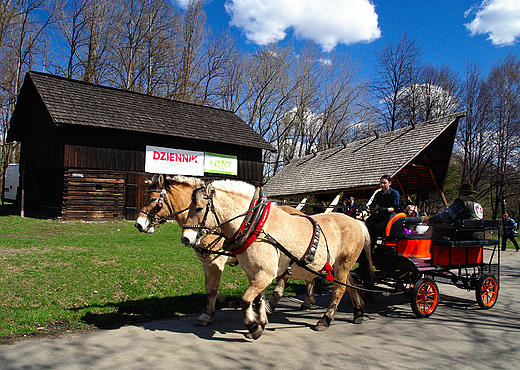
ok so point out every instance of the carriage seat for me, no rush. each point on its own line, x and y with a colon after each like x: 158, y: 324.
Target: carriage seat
x: 407, y: 245
x: 464, y: 252
x: 471, y: 225
x: 396, y: 225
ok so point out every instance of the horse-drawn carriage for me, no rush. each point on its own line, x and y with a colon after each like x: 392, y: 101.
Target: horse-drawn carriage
x: 414, y: 263
x: 273, y: 245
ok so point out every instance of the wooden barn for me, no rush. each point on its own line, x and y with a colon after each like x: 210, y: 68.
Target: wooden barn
x: 85, y: 148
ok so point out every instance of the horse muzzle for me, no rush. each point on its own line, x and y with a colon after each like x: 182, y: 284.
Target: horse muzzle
x: 190, y: 237
x: 143, y: 225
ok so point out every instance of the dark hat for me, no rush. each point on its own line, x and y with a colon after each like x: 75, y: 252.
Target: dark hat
x: 468, y: 188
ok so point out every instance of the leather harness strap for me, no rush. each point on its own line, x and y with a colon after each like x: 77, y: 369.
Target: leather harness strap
x: 251, y: 226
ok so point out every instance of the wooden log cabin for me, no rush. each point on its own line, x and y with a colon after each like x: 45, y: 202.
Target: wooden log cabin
x: 83, y: 146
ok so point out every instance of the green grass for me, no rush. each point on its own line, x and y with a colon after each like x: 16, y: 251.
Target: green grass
x: 81, y: 275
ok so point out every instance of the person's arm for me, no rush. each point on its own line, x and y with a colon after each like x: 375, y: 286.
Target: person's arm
x: 394, y: 203
x: 448, y: 215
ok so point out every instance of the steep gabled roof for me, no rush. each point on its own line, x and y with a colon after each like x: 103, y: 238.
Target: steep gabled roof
x: 417, y: 158
x: 72, y: 102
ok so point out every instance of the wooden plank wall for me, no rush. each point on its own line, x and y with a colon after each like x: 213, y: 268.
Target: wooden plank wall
x: 93, y: 195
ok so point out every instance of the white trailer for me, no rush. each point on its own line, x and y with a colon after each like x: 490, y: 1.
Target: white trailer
x: 12, y: 182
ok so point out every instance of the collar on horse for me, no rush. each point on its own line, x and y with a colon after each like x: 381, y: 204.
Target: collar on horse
x: 252, y: 225
x: 152, y: 215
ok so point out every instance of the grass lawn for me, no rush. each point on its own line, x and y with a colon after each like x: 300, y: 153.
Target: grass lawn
x: 82, y: 275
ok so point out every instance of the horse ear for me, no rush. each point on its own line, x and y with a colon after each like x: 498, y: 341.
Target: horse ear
x: 160, y: 180
x: 167, y: 181
x: 208, y: 190
x: 154, y: 180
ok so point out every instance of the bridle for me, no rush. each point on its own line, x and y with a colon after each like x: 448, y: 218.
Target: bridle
x: 256, y: 215
x: 210, y: 206
x: 152, y: 215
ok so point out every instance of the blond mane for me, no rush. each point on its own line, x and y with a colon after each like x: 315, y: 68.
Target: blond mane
x: 233, y: 186
x: 194, y: 182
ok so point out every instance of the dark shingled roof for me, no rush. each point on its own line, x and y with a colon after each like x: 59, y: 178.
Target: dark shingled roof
x: 72, y: 102
x: 417, y: 159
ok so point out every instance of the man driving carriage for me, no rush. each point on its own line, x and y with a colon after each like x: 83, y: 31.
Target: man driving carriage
x: 384, y: 205
x: 466, y: 206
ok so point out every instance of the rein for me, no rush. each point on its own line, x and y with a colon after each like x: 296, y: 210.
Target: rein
x: 303, y: 264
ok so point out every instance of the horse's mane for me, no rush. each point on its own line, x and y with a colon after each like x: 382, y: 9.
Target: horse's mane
x: 234, y: 186
x: 194, y: 182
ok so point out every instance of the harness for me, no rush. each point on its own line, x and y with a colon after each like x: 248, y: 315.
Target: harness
x: 152, y: 215
x: 253, y: 223
x: 252, y: 226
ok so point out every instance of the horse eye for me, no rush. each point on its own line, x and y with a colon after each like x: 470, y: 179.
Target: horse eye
x: 199, y: 209
x: 153, y: 199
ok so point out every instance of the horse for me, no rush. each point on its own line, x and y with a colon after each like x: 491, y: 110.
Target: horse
x: 177, y: 197
x: 276, y: 244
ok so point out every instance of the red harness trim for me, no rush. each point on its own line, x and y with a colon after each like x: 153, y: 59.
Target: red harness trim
x: 244, y: 223
x: 257, y: 230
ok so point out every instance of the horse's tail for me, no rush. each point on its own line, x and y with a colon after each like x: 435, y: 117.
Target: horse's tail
x: 366, y: 266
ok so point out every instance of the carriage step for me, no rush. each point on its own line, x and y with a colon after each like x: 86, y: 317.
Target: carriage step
x: 423, y: 263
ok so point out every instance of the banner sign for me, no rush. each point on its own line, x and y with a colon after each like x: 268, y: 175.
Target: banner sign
x: 174, y: 161
x: 220, y: 163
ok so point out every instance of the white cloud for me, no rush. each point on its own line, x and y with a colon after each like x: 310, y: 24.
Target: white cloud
x: 498, y: 18
x: 183, y: 3
x: 326, y: 22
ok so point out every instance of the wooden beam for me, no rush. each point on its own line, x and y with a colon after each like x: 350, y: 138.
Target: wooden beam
x: 300, y: 206
x: 333, y: 204
x: 436, y: 185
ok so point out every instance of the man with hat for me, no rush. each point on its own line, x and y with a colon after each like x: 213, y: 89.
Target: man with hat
x: 466, y: 206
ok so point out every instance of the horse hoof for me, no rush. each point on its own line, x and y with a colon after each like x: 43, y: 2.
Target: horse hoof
x: 202, y: 323
x: 305, y: 307
x: 320, y: 326
x: 204, y: 320
x: 359, y: 320
x: 255, y: 332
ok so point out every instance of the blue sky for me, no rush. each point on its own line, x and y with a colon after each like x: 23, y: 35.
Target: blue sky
x: 449, y: 33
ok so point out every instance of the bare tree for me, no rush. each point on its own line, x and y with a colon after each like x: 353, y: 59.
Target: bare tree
x: 473, y: 149
x: 83, y: 33
x: 433, y: 95
x: 397, y: 68
x: 313, y: 105
x: 186, y: 54
x: 503, y: 91
x: 22, y: 28
x: 217, y: 70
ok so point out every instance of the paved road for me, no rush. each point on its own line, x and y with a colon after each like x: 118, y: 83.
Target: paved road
x: 459, y: 335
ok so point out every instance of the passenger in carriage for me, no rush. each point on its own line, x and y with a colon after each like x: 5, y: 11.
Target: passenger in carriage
x: 466, y: 206
x: 385, y: 204
x: 411, y: 211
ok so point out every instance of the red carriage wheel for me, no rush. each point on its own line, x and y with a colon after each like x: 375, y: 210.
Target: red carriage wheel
x: 424, y: 298
x: 486, y: 292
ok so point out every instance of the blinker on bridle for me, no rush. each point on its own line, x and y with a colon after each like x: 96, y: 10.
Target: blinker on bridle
x: 203, y: 230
